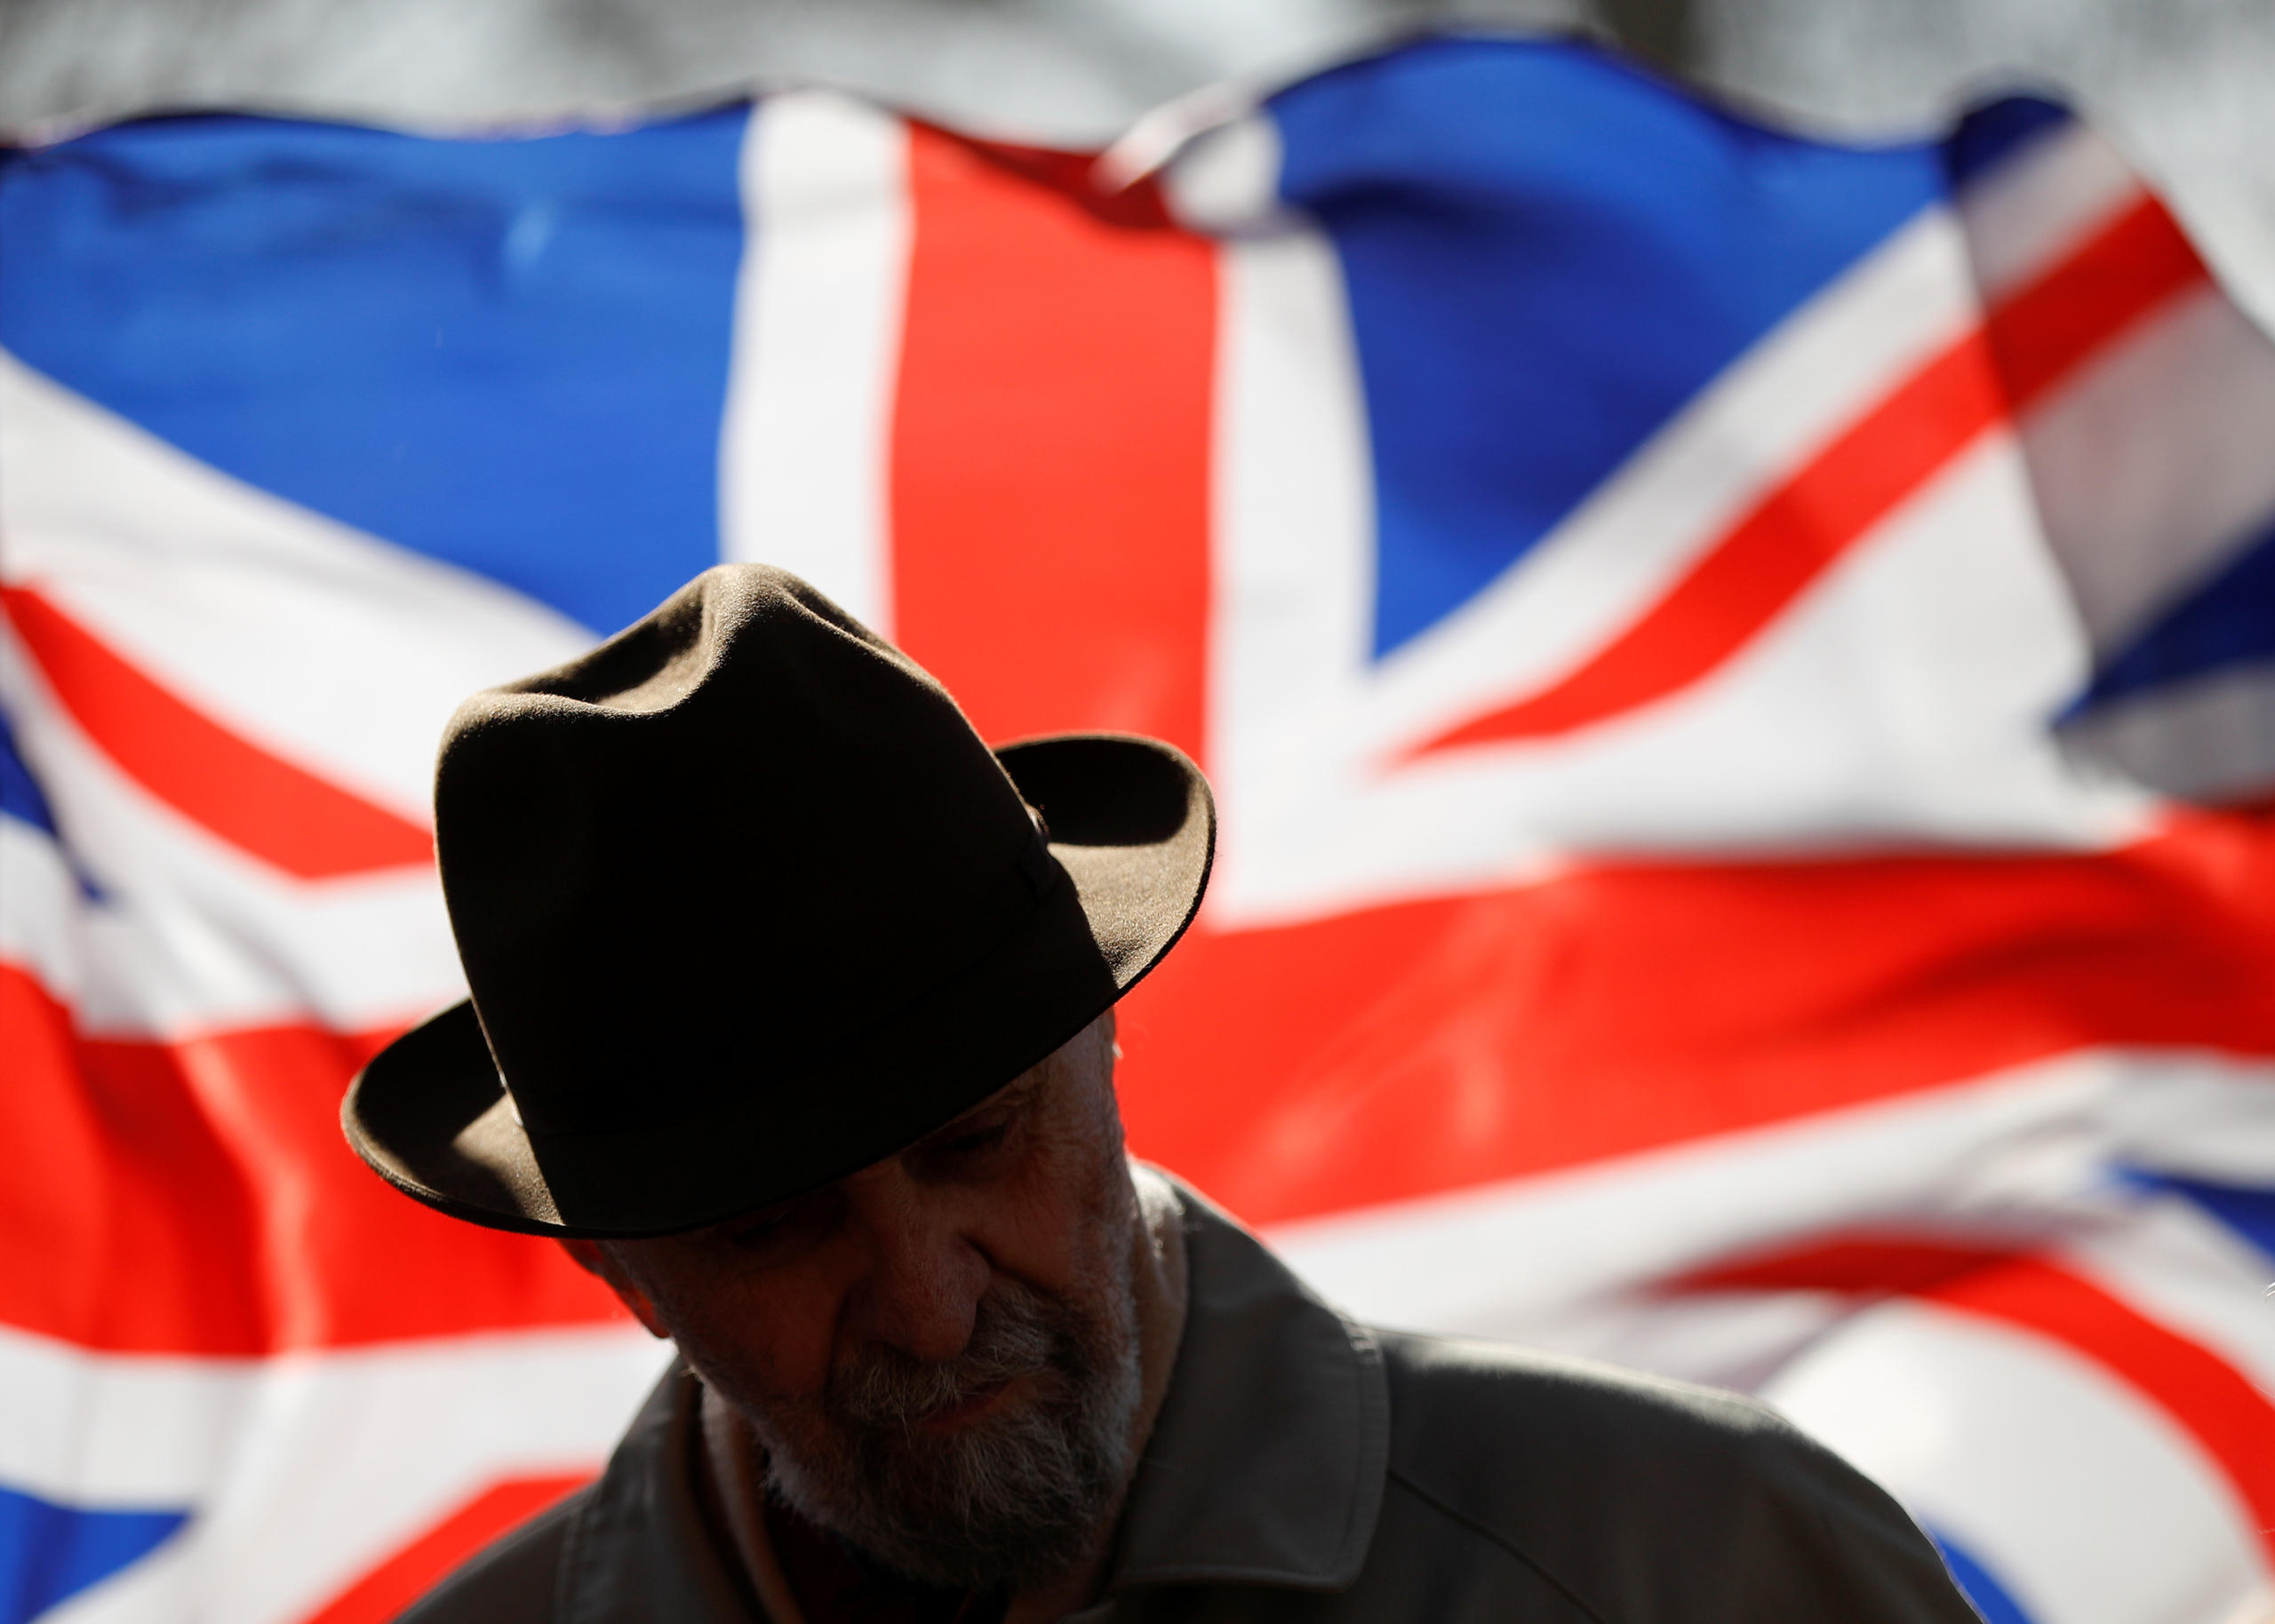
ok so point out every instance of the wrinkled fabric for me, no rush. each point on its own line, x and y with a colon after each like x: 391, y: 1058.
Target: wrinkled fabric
x: 1309, y: 1469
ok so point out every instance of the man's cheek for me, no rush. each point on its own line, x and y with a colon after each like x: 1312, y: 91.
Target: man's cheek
x: 749, y: 1350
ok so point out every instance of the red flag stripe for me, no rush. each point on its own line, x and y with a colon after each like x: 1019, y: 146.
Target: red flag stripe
x: 2027, y: 344
x: 1050, y: 455
x: 1855, y: 1265
x: 386, y: 1590
x: 277, y: 812
x: 2043, y: 331
x: 197, y: 1197
x: 1411, y: 1050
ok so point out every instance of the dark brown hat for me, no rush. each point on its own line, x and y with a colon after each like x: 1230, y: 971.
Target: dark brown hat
x: 746, y: 905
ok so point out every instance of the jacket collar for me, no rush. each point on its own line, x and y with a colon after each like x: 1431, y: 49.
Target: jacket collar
x: 1265, y: 1464
x: 640, y: 1547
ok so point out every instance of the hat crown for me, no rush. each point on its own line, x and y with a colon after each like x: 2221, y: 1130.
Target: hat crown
x: 746, y: 905
x: 684, y: 865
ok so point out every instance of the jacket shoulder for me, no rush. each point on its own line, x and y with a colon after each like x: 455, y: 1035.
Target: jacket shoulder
x: 1459, y: 1406
x: 509, y: 1581
x: 1642, y: 1498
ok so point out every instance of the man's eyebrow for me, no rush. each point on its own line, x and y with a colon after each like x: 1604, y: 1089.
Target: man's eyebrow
x: 1018, y: 1092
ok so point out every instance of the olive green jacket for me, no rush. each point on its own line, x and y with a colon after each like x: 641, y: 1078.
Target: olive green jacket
x: 1308, y: 1469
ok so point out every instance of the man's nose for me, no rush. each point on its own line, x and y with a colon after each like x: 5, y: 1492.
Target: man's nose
x: 925, y: 1280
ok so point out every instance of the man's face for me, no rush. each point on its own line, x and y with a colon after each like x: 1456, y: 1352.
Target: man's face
x: 939, y: 1353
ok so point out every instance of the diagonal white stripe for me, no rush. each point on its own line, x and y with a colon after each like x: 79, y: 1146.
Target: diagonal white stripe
x: 324, y: 646
x: 2029, y: 212
x: 2091, y: 1506
x: 2157, y: 462
x: 39, y: 923
x: 303, y: 1471
x: 191, y: 934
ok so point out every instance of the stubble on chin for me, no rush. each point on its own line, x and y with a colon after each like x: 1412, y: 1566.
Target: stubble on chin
x: 1011, y: 1499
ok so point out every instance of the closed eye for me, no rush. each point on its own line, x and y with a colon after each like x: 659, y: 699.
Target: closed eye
x: 968, y: 1150
x: 972, y: 1142
x: 757, y: 1232
x: 772, y: 1229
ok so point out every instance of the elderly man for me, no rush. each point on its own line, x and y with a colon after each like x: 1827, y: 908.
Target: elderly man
x: 792, y: 1019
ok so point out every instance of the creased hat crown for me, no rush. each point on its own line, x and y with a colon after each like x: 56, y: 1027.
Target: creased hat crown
x: 798, y: 823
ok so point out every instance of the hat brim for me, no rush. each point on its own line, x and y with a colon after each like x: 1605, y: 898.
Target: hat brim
x: 1131, y: 823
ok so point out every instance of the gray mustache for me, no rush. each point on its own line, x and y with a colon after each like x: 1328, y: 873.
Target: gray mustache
x: 1015, y: 1334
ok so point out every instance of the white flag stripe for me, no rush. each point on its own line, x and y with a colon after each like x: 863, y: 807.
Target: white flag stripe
x: 1223, y: 179
x: 1293, y: 537
x: 1727, y: 1339
x: 39, y: 928
x: 1611, y: 1226
x: 2208, y: 1117
x: 1902, y: 699
x: 115, y: 1430
x: 192, y: 935
x: 2025, y: 215
x: 2144, y: 483
x: 2017, y: 1446
x: 248, y: 1447
x: 320, y: 644
x: 805, y: 451
x: 2037, y: 1140
x: 447, y: 1418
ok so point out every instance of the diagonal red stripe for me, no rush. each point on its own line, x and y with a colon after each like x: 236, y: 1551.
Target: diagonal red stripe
x: 387, y: 1589
x: 2214, y: 1402
x: 2125, y: 271
x: 1858, y: 1265
x: 257, y: 802
x: 197, y: 1197
x: 1774, y: 552
x: 2031, y: 342
x: 2207, y: 1398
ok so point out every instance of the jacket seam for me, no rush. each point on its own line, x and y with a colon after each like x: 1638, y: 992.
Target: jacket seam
x: 1371, y: 1379
x: 1493, y: 1538
x: 569, y: 1563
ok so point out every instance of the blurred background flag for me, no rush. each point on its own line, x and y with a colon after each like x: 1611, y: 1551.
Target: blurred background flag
x: 1740, y: 674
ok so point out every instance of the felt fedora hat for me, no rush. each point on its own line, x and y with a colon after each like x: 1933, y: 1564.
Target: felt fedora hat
x: 745, y: 904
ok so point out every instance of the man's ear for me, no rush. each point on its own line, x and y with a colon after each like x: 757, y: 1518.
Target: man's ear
x: 593, y: 1259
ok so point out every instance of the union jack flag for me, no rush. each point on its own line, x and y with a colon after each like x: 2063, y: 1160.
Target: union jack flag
x: 1738, y: 672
